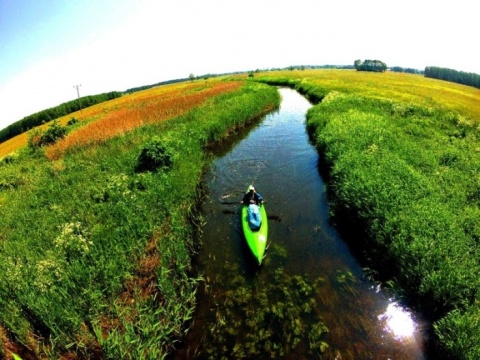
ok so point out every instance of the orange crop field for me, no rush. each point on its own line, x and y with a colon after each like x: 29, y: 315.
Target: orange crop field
x: 114, y: 117
x: 131, y: 111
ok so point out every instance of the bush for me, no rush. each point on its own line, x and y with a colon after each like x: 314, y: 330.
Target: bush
x: 50, y: 136
x: 53, y: 133
x: 34, y: 139
x: 8, y: 159
x: 72, y: 121
x: 155, y: 155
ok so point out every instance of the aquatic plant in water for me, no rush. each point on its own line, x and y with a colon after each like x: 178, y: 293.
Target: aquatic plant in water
x: 267, y: 319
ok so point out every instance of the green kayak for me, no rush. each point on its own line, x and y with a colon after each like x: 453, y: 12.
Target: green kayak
x: 256, y: 238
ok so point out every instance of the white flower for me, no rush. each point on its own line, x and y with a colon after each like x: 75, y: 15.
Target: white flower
x: 48, y: 272
x: 73, y: 239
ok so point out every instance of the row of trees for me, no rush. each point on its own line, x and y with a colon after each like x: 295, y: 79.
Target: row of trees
x: 406, y: 70
x: 459, y: 77
x: 370, y: 65
x: 145, y: 87
x: 44, y: 116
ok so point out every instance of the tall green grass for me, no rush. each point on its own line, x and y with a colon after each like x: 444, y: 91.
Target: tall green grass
x: 95, y: 257
x: 408, y: 177
x: 402, y: 157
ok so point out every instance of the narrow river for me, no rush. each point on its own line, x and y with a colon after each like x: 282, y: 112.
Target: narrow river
x: 310, y: 298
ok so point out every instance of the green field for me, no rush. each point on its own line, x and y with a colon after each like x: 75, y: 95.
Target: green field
x: 97, y: 236
x: 96, y: 246
x: 403, y: 159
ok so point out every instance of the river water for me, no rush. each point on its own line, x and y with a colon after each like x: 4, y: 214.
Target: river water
x: 310, y: 298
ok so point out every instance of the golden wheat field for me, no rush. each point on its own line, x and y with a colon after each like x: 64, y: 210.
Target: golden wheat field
x: 411, y: 88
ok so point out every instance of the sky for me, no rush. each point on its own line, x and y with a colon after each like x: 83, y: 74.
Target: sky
x: 47, y: 47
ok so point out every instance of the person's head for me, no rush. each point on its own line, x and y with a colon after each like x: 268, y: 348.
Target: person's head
x: 251, y: 188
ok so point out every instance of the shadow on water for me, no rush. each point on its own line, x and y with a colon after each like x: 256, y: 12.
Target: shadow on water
x: 310, y: 298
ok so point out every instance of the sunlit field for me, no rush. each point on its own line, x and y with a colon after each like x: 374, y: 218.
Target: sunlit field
x: 410, y: 88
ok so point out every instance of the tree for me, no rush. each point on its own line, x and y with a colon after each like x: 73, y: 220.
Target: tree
x: 470, y: 79
x: 370, y: 65
x: 191, y: 77
x: 44, y: 116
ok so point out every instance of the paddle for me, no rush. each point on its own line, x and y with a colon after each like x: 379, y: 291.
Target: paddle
x: 275, y: 218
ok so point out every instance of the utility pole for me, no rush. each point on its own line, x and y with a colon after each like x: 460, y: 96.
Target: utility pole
x: 78, y: 95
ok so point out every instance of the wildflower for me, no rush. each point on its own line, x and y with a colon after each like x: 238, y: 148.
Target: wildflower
x: 73, y: 240
x: 14, y: 272
x: 48, y: 272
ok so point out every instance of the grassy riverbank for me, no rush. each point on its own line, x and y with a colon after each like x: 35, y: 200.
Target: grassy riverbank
x: 95, y: 256
x: 403, y: 156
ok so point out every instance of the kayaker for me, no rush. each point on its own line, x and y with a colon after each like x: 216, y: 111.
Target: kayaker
x: 252, y: 197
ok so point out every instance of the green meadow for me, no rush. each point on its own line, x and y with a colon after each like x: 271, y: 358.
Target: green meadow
x: 96, y: 247
x: 402, y: 157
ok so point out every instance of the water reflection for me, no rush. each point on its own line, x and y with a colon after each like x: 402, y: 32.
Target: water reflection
x: 398, y: 322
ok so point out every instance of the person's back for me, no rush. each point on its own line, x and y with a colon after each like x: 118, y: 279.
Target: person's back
x: 252, y: 197
x: 254, y: 217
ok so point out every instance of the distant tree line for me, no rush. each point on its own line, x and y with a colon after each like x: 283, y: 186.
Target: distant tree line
x: 460, y: 77
x: 174, y: 81
x: 370, y: 65
x: 145, y: 87
x: 306, y: 67
x: 44, y: 116
x: 406, y: 70
x: 210, y: 75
